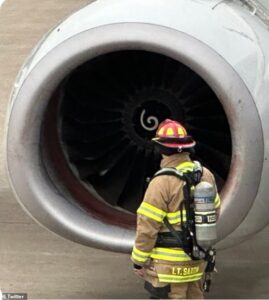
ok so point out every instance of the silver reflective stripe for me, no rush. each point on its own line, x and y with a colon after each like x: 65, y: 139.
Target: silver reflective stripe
x: 157, y: 252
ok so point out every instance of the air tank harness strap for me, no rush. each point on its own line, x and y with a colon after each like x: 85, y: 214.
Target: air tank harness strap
x: 191, y: 178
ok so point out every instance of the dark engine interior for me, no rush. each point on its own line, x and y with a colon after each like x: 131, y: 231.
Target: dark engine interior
x: 110, y: 109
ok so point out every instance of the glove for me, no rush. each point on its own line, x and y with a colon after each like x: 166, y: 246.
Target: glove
x: 137, y: 267
x: 139, y: 271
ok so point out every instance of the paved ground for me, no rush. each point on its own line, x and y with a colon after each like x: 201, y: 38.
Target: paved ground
x: 36, y: 261
x: 46, y: 266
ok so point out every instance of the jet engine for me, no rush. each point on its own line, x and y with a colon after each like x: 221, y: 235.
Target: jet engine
x: 91, y: 95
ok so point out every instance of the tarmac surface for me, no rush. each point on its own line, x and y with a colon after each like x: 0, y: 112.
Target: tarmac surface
x: 36, y: 261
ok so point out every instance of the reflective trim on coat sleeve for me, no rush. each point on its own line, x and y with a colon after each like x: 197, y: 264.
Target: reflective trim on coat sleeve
x: 170, y: 254
x: 151, y: 212
x: 139, y: 255
x: 177, y: 278
x: 142, y: 253
x: 175, y: 217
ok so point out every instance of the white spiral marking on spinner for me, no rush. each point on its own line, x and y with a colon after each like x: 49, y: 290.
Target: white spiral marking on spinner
x: 150, y: 120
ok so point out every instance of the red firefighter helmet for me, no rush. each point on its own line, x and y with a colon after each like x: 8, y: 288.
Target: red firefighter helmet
x: 172, y: 137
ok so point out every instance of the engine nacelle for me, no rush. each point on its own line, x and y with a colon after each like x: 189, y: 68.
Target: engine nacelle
x: 91, y: 95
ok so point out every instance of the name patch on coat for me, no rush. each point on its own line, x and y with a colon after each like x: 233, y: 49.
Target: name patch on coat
x: 185, y: 271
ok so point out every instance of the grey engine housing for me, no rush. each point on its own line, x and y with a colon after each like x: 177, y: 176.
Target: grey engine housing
x: 221, y: 46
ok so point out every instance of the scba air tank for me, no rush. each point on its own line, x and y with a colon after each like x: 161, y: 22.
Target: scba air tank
x: 205, y: 214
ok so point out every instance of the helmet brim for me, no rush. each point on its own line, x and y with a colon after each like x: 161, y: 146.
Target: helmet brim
x: 172, y: 148
x: 174, y: 145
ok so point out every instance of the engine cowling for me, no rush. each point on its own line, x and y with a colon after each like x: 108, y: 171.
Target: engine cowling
x: 91, y: 95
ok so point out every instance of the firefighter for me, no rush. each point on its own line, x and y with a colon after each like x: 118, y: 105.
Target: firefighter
x: 164, y: 264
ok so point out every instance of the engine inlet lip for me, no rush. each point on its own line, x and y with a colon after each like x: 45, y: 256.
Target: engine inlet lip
x: 38, y: 194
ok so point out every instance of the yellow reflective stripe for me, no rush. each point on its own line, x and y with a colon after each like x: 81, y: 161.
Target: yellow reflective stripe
x: 138, y: 258
x: 175, y: 217
x: 177, y: 278
x: 151, y: 211
x: 176, y: 214
x: 169, y: 254
x: 217, y: 201
x: 177, y: 258
x: 154, y: 208
x: 141, y: 253
x: 185, y: 170
x: 177, y: 220
x: 145, y: 212
x: 180, y: 276
x: 186, y: 165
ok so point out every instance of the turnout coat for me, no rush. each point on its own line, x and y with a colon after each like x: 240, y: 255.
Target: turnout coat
x: 162, y: 199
